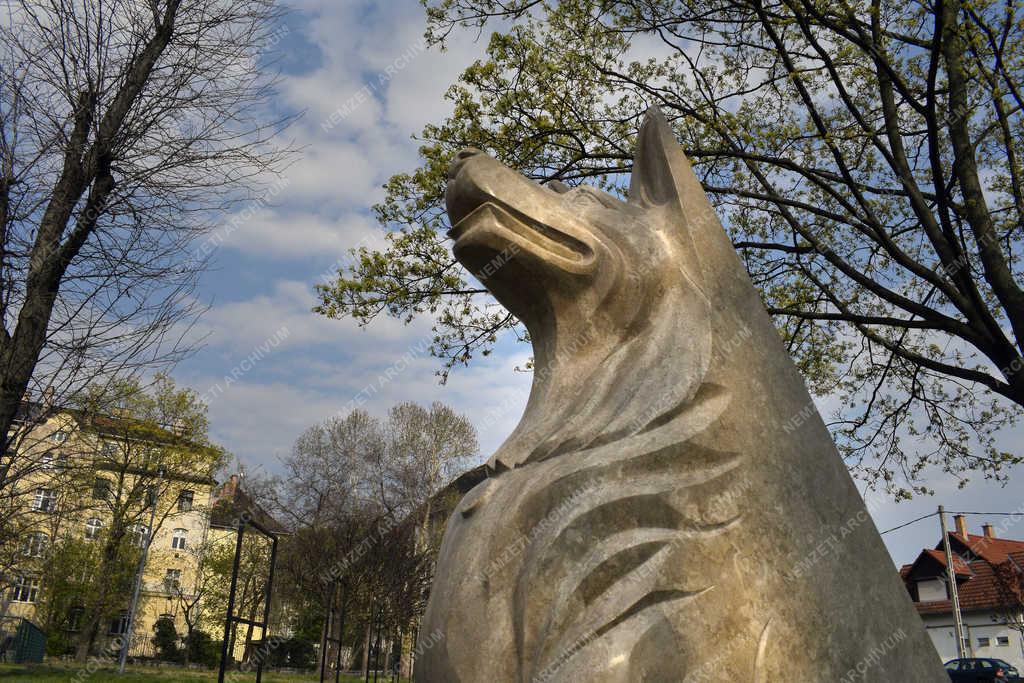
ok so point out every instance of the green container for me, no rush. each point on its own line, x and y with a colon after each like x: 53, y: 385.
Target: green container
x: 29, y: 643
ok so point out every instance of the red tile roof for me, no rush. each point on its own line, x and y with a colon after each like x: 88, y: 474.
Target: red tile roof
x: 977, y: 559
x: 994, y: 550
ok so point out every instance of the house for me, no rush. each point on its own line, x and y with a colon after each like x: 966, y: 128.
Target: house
x: 77, y: 472
x: 989, y: 577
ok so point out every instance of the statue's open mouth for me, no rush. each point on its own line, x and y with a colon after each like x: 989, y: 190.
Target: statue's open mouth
x: 519, y: 228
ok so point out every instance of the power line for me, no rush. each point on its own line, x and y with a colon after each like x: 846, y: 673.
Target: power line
x: 953, y: 512
x: 993, y: 514
x: 913, y: 521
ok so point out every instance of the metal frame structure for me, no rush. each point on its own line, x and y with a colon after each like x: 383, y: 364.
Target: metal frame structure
x: 337, y: 592
x: 231, y: 619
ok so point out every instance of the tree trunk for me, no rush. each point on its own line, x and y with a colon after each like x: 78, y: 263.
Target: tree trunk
x: 248, y: 634
x: 325, y: 647
x: 86, y: 640
x: 188, y: 643
x: 99, y: 607
x: 366, y: 648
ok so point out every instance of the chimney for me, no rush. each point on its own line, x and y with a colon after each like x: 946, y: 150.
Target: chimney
x: 961, y: 525
x: 227, y: 491
x: 989, y: 531
x: 48, y: 395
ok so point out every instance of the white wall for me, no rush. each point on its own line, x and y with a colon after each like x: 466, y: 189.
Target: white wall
x: 930, y: 590
x: 976, y: 625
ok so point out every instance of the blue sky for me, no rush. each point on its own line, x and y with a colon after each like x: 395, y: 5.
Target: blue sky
x: 270, y: 368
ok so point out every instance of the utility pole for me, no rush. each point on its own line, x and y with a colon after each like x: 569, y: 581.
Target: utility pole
x: 138, y: 574
x: 958, y: 623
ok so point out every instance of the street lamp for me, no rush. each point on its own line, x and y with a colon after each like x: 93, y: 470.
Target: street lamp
x: 127, y: 635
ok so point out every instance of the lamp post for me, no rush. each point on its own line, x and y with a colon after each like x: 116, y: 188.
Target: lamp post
x: 126, y: 637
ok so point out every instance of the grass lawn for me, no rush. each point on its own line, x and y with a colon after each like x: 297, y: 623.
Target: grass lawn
x: 14, y: 673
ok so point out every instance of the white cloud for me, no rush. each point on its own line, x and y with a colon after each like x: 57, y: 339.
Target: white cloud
x: 288, y: 235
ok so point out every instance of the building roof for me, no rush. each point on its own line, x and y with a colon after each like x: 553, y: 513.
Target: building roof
x: 931, y: 564
x: 995, y: 550
x: 105, y: 424
x: 122, y: 427
x: 977, y: 560
x: 234, y: 505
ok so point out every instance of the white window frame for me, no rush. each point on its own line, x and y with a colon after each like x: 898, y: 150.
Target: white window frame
x: 93, y: 528
x: 25, y: 589
x: 45, y: 500
x: 178, y: 539
x: 172, y: 580
x: 36, y: 544
x: 59, y: 436
x: 104, y: 486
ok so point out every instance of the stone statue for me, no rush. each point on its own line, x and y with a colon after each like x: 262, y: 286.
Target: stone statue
x: 671, y: 507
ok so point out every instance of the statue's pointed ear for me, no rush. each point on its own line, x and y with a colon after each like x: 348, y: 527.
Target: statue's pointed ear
x: 660, y: 169
x: 663, y: 179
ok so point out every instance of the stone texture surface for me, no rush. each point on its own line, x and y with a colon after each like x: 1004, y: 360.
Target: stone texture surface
x: 671, y: 507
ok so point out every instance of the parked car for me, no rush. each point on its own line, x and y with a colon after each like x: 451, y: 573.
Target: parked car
x: 982, y: 670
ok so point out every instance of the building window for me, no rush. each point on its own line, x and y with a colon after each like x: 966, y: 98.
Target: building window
x: 172, y: 580
x: 93, y: 527
x: 74, y: 622
x: 101, y: 488
x: 1003, y: 641
x: 59, y: 436
x: 140, y: 534
x: 185, y: 501
x: 109, y: 449
x: 36, y: 543
x: 53, y: 461
x: 178, y: 539
x: 984, y: 642
x: 25, y: 590
x: 152, y: 493
x: 45, y: 500
x: 119, y: 625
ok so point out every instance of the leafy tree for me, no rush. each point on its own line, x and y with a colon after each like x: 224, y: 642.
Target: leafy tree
x: 150, y: 438
x: 206, y: 595
x: 165, y: 639
x: 68, y: 577
x: 355, y: 494
x: 1009, y: 592
x: 865, y: 158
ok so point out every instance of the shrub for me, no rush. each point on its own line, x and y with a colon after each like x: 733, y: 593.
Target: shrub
x: 166, y: 640
x: 202, y: 649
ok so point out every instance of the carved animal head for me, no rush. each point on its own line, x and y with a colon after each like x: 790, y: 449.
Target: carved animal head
x: 609, y: 287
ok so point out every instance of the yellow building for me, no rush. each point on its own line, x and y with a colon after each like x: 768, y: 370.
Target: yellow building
x: 91, y: 479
